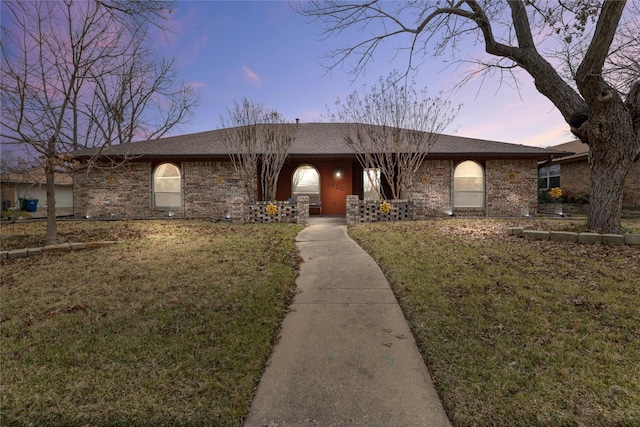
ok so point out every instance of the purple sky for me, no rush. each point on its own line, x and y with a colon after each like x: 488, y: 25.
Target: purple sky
x: 266, y: 52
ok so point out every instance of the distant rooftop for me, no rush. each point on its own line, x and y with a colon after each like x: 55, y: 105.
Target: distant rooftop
x: 577, y: 150
x: 34, y: 176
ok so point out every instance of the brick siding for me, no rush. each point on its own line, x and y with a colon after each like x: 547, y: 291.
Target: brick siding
x: 213, y: 189
x: 124, y: 192
x: 511, y: 187
x: 510, y: 190
x: 208, y: 189
x: 575, y: 178
x: 431, y: 192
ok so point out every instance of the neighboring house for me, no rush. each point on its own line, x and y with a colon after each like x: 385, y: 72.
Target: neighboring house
x: 31, y: 185
x: 191, y: 175
x: 571, y: 173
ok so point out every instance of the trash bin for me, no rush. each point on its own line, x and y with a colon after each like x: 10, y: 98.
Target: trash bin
x: 6, y: 204
x: 31, y: 205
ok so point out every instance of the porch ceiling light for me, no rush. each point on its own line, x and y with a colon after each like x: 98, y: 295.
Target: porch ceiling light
x: 338, y: 173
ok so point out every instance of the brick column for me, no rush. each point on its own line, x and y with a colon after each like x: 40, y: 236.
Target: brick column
x: 352, y: 209
x: 235, y: 208
x: 302, y: 209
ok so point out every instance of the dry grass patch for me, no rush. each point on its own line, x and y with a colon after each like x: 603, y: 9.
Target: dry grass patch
x: 170, y: 327
x: 32, y: 234
x: 517, y: 332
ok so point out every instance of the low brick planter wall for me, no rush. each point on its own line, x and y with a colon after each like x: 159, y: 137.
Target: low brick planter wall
x: 583, y: 238
x: 270, y: 212
x: 371, y: 211
x: 63, y: 247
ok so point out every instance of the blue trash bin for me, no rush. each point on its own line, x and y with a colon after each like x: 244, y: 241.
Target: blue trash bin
x: 31, y: 205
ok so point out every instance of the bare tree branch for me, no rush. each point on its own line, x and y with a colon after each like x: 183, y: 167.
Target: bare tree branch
x: 588, y: 91
x: 258, y: 140
x: 392, y: 128
x: 78, y: 74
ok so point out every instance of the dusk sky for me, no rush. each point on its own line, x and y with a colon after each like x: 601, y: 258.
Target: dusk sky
x: 266, y: 52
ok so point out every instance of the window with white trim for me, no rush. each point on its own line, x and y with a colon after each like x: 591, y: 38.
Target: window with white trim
x: 306, y: 180
x: 549, y: 177
x: 468, y: 185
x: 167, y: 186
x: 371, y: 184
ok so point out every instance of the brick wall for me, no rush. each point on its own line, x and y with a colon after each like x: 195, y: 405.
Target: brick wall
x: 208, y: 191
x: 575, y: 177
x: 431, y: 192
x: 212, y: 189
x: 281, y: 211
x: 371, y: 211
x: 510, y: 190
x: 511, y: 187
x: 209, y: 188
x: 125, y: 192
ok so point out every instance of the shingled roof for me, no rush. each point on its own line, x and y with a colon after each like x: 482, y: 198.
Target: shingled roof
x: 577, y: 150
x: 312, y: 140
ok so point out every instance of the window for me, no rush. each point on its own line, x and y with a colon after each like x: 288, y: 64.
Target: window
x: 371, y: 184
x: 468, y: 185
x: 306, y: 180
x: 549, y: 177
x: 167, y: 186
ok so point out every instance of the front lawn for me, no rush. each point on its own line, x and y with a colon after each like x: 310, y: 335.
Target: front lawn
x: 171, y: 326
x: 518, y: 332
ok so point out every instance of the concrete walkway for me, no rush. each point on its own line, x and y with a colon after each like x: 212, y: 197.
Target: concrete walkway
x: 346, y: 355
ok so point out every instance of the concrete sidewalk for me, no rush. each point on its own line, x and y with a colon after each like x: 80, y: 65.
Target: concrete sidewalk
x: 346, y: 355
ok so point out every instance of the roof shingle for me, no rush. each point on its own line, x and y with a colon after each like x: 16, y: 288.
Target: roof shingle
x: 312, y: 140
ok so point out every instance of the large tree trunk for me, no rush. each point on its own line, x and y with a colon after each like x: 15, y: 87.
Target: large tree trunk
x: 607, y: 181
x: 609, y: 127
x: 613, y: 147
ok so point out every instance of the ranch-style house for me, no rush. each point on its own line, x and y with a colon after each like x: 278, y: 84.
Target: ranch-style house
x: 192, y: 176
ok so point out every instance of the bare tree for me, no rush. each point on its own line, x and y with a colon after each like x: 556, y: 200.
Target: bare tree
x: 241, y: 141
x: 78, y: 74
x: 258, y: 140
x: 277, y: 137
x: 515, y: 35
x: 392, y: 128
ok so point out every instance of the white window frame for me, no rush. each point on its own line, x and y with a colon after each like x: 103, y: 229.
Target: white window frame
x: 457, y: 203
x: 371, y: 178
x: 157, y: 193
x: 295, y: 193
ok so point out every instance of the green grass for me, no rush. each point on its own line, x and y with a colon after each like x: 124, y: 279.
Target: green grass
x: 171, y: 326
x: 517, y: 332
